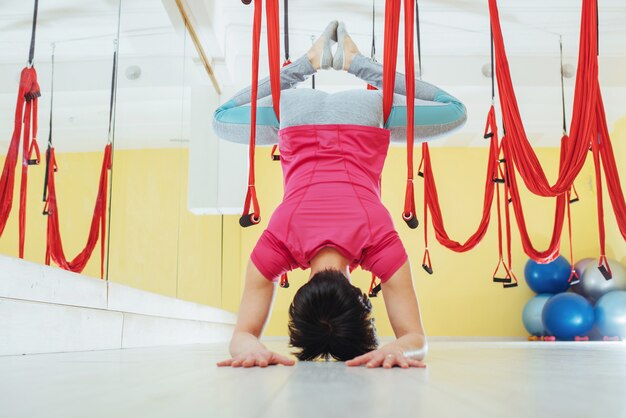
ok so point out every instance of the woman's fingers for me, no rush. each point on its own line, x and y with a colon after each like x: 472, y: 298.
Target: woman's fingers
x: 416, y: 363
x: 225, y: 362
x: 376, y: 360
x: 280, y: 359
x: 262, y: 359
x: 249, y: 361
x: 403, y: 362
x: 362, y: 359
x: 390, y: 361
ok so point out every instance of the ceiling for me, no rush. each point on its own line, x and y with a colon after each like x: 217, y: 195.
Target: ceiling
x: 153, y: 109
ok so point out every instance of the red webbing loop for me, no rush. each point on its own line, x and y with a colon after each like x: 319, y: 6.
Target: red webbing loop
x: 273, y: 42
x: 431, y: 198
x: 609, y: 166
x: 512, y: 195
x: 251, y: 192
x: 595, y: 148
x: 573, y: 277
x: 409, y: 20
x: 25, y: 115
x: 54, y: 246
x: 392, y: 23
x: 273, y: 48
x: 373, y: 292
x: 273, y: 155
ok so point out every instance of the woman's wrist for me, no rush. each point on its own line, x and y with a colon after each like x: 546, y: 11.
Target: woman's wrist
x: 413, y: 345
x: 243, y: 341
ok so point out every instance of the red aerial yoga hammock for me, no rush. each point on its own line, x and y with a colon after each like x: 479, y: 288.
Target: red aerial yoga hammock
x: 588, y: 127
x: 26, y: 115
x: 514, y: 150
x: 97, y: 230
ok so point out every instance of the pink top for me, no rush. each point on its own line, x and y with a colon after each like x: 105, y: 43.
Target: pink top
x: 332, y: 198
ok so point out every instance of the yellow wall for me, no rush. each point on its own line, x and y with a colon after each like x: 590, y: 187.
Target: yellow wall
x: 157, y: 245
x: 615, y: 243
x: 460, y: 298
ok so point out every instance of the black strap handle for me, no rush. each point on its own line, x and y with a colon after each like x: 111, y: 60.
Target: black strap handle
x: 286, y: 25
x: 31, y: 52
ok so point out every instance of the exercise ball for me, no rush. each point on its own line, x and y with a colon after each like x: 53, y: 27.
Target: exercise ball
x: 531, y: 316
x: 548, y: 278
x: 581, y: 265
x: 567, y: 315
x: 610, y: 311
x: 595, y: 285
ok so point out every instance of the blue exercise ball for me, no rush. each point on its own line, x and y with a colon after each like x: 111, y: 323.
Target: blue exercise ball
x: 548, y: 278
x: 610, y: 311
x: 531, y: 316
x: 567, y: 315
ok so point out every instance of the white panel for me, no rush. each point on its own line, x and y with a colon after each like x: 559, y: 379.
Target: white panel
x: 142, y: 331
x: 34, y: 327
x: 127, y: 299
x: 233, y: 175
x: 218, y: 169
x: 203, y: 153
x: 21, y: 279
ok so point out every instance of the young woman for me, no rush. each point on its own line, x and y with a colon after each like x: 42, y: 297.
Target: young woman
x: 331, y: 219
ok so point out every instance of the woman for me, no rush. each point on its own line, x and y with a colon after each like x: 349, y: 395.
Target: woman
x: 331, y: 219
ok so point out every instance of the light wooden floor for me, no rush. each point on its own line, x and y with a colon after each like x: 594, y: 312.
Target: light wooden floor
x: 463, y: 379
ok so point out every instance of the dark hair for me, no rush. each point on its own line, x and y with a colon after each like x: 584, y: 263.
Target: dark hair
x: 329, y: 317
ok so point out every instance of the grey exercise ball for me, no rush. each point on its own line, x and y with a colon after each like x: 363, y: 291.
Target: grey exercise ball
x: 594, y: 285
x: 580, y: 267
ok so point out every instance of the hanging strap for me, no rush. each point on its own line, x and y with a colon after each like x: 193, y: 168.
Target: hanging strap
x: 273, y: 35
x: 29, y: 142
x: 286, y: 31
x: 247, y: 218
x: 373, y: 49
x: 522, y: 152
x: 97, y: 231
x: 31, y: 51
x: 45, y: 180
x: 376, y: 288
x: 419, y: 40
x: 603, y: 264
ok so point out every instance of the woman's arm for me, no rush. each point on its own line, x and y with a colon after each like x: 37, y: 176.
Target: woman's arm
x: 410, y: 346
x: 436, y: 112
x: 231, y: 121
x: 256, y: 303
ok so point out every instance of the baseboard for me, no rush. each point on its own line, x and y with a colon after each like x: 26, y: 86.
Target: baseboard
x: 45, y: 309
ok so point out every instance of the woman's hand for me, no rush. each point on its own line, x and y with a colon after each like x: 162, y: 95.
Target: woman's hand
x: 247, y: 351
x: 261, y: 357
x: 388, y: 356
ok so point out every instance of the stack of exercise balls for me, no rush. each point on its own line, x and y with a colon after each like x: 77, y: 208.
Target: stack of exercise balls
x: 596, y: 306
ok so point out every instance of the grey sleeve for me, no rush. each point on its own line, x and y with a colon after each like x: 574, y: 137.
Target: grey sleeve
x: 436, y: 113
x: 372, y: 73
x: 231, y: 121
